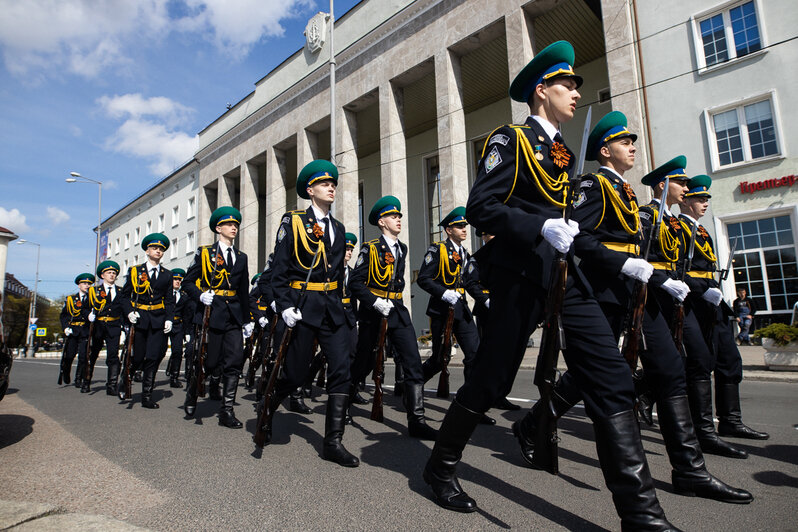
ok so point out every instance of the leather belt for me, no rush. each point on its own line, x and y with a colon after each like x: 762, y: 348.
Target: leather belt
x: 315, y: 287
x: 225, y: 293
x: 386, y: 294
x: 346, y: 300
x: 157, y: 306
x: 623, y: 247
x: 108, y: 318
x: 77, y: 323
x: 663, y: 266
x: 702, y: 275
x: 262, y: 308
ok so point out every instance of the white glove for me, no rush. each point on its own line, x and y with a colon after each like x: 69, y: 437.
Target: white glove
x: 92, y: 317
x: 274, y: 306
x: 68, y: 331
x: 262, y: 321
x: 677, y: 289
x: 487, y: 303
x: 637, y: 269
x: 713, y: 295
x: 248, y: 329
x: 560, y: 234
x: 187, y: 338
x: 122, y: 338
x: 451, y: 296
x: 292, y: 316
x: 167, y: 326
x: 133, y: 317
x: 206, y: 298
x: 383, y: 306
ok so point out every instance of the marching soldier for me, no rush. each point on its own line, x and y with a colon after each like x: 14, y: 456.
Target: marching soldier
x: 442, y: 276
x: 149, y: 303
x: 714, y: 313
x: 609, y: 246
x: 223, y: 275
x: 266, y: 299
x: 106, y: 314
x: 519, y: 195
x: 377, y: 281
x: 74, y: 321
x: 184, y: 313
x: 313, y: 241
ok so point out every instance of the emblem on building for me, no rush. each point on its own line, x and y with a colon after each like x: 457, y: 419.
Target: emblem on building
x: 316, y: 32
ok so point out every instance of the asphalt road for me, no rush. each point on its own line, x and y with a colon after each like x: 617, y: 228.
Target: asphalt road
x: 93, y: 454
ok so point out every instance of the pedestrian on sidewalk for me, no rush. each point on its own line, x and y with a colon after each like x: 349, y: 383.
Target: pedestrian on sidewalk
x: 744, y: 309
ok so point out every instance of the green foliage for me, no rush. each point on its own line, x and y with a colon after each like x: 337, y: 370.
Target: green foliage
x: 781, y: 333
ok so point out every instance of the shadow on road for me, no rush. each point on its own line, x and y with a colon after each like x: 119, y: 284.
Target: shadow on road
x: 14, y: 428
x: 776, y: 479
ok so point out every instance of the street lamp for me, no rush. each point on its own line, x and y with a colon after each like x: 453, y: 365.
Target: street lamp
x: 32, y: 309
x: 76, y: 178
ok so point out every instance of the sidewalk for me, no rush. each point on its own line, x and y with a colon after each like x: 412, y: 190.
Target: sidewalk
x: 31, y: 516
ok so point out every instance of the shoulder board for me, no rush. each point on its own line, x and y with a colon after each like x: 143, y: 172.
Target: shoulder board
x: 371, y: 242
x: 433, y: 247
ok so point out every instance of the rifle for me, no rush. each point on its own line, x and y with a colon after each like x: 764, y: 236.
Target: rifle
x: 255, y: 359
x: 445, y: 354
x: 265, y: 409
x: 248, y: 352
x: 63, y: 356
x: 127, y: 391
x: 321, y: 379
x: 268, y: 360
x: 553, y: 338
x: 89, y: 367
x: 677, y: 326
x: 379, y: 360
x: 200, y: 350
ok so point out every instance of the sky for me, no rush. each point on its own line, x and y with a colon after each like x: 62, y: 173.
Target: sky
x: 117, y: 91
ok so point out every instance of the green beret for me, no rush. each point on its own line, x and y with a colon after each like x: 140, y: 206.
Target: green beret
x: 673, y: 169
x: 351, y: 239
x: 84, y: 278
x: 554, y: 61
x: 178, y: 273
x: 254, y: 278
x: 699, y: 186
x: 107, y: 265
x: 224, y: 214
x: 385, y: 205
x: 313, y: 172
x: 155, y: 239
x: 456, y: 217
x: 612, y: 126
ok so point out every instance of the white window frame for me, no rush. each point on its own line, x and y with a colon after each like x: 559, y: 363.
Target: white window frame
x: 739, y: 105
x: 161, y: 221
x: 173, y: 249
x: 191, y: 208
x: 127, y: 240
x: 190, y: 242
x: 175, y: 215
x: 136, y: 236
x: 116, y: 247
x: 725, y: 8
x: 149, y: 227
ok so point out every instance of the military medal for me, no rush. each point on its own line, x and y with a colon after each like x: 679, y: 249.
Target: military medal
x: 538, y: 152
x: 559, y: 155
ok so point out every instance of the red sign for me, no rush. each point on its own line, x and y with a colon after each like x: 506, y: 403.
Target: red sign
x: 767, y: 184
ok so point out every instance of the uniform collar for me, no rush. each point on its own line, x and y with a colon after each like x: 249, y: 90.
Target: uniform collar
x: 664, y: 207
x: 224, y: 247
x: 149, y: 265
x: 107, y: 287
x: 547, y: 126
x: 690, y: 219
x: 319, y: 215
x: 607, y: 169
x: 390, y: 241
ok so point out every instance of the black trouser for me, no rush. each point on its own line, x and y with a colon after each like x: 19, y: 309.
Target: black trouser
x: 728, y: 362
x: 405, y: 344
x: 75, y: 346
x: 108, y: 335
x: 592, y: 355
x: 225, y: 351
x: 700, y: 359
x: 176, y: 342
x: 334, y: 342
x: 465, y: 331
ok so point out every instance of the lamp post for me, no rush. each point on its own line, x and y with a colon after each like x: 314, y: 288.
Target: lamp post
x: 32, y: 309
x: 76, y: 177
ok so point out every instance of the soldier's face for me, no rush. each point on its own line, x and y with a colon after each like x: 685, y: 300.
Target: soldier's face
x: 348, y: 253
x: 620, y: 153
x: 391, y: 222
x: 228, y: 229
x: 154, y: 253
x: 560, y: 97
x: 677, y: 188
x: 109, y: 276
x: 83, y: 286
x: 323, y: 191
x: 176, y: 283
x: 457, y: 233
x: 699, y: 206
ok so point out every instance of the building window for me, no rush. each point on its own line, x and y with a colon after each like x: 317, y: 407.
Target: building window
x: 160, y: 223
x: 175, y: 215
x: 173, y: 249
x: 135, y: 259
x: 433, y: 199
x: 190, y: 242
x: 764, y: 262
x: 743, y: 133
x: 728, y: 34
x: 149, y: 227
x: 190, y: 208
x: 127, y: 240
x: 126, y: 266
x: 116, y: 247
x: 136, y: 236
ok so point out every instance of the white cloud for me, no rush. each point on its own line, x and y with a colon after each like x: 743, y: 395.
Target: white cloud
x: 56, y: 215
x: 13, y: 220
x: 136, y: 106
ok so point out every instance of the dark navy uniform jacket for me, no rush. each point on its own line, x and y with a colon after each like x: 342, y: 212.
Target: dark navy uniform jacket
x: 108, y: 312
x: 363, y: 282
x: 349, y: 301
x: 75, y: 315
x: 701, y: 273
x: 474, y: 286
x: 230, y: 308
x: 264, y: 284
x: 153, y: 294
x: 435, y: 274
x: 506, y: 199
x: 292, y: 261
x: 184, y: 313
x: 667, y: 246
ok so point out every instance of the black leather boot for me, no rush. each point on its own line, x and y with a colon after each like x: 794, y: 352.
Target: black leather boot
x: 359, y: 399
x: 85, y: 386
x: 80, y: 372
x: 214, y: 392
x: 504, y: 404
x: 727, y: 405
x: 113, y: 376
x: 626, y: 473
x: 399, y: 379
x: 190, y: 404
x: 690, y: 476
x: 148, y: 384
x: 414, y: 403
x: 440, y: 472
x: 227, y: 417
x: 67, y: 370
x: 700, y: 396
x: 279, y: 396
x: 333, y: 449
x: 138, y: 376
x: 174, y: 382
x: 297, y: 403
x: 525, y: 429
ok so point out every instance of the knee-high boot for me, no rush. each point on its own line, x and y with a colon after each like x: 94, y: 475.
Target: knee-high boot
x: 690, y: 476
x: 626, y: 473
x: 399, y: 379
x: 148, y: 384
x: 727, y: 405
x: 297, y: 403
x: 525, y: 429
x: 333, y: 449
x: 113, y: 375
x: 227, y: 417
x: 414, y: 403
x: 700, y: 396
x: 440, y: 471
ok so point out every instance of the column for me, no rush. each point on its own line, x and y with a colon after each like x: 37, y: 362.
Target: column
x: 248, y: 237
x: 346, y: 196
x: 518, y: 30
x: 224, y: 197
x: 275, y: 196
x: 452, y: 147
x: 307, y: 146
